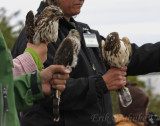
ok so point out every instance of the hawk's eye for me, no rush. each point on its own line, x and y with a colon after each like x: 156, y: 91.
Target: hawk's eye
x: 54, y: 11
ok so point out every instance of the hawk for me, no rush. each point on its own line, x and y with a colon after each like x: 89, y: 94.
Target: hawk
x: 67, y: 55
x: 43, y: 28
x: 68, y: 50
x: 117, y: 53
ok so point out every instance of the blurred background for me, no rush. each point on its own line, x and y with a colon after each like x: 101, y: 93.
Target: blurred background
x: 139, y: 20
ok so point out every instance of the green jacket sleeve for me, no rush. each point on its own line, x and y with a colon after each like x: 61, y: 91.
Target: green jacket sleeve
x: 36, y: 58
x: 24, y: 95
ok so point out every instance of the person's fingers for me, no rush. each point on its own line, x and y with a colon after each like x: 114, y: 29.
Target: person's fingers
x: 59, y: 69
x: 58, y: 82
x: 115, y: 78
x: 116, y: 85
x: 61, y: 76
x: 118, y: 77
x: 122, y: 78
x: 124, y: 68
x: 59, y: 87
x: 123, y: 73
x: 69, y: 68
x: 46, y: 89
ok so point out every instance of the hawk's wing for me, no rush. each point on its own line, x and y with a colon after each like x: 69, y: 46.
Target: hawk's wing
x: 129, y: 47
x: 64, y: 53
x: 128, y: 44
x: 30, y: 25
x: 102, y: 53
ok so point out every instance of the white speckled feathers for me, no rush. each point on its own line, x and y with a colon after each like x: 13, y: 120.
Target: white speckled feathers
x: 116, y: 52
x: 44, y: 28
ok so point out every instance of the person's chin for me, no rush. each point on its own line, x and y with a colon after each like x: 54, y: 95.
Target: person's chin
x: 77, y: 11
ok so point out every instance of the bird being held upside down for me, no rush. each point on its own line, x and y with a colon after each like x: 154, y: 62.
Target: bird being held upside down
x: 67, y: 55
x: 117, y: 53
x: 68, y: 50
x: 43, y: 28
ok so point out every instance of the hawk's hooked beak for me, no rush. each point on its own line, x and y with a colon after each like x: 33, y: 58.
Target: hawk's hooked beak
x: 60, y: 13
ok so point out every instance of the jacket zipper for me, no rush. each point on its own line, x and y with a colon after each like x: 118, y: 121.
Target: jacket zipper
x: 4, y: 105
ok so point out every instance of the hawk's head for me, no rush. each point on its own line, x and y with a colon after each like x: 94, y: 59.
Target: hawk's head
x: 75, y: 38
x: 112, y: 41
x: 52, y: 13
x: 74, y: 33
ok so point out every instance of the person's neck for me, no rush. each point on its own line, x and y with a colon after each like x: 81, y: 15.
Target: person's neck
x: 67, y: 18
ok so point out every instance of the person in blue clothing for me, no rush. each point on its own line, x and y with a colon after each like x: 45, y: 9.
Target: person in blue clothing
x: 86, y: 100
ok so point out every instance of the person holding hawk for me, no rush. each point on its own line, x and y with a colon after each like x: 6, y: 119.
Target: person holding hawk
x: 86, y: 100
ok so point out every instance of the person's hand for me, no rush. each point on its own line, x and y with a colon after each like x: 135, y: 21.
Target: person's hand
x: 55, y: 76
x: 115, y: 78
x: 41, y: 50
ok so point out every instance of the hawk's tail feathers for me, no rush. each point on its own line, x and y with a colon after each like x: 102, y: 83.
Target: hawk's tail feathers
x: 30, y: 24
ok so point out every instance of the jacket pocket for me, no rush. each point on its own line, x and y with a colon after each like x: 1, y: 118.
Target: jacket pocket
x: 3, y: 104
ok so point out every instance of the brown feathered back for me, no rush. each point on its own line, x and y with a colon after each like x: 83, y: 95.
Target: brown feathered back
x: 64, y: 53
x: 68, y: 50
x: 29, y: 23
